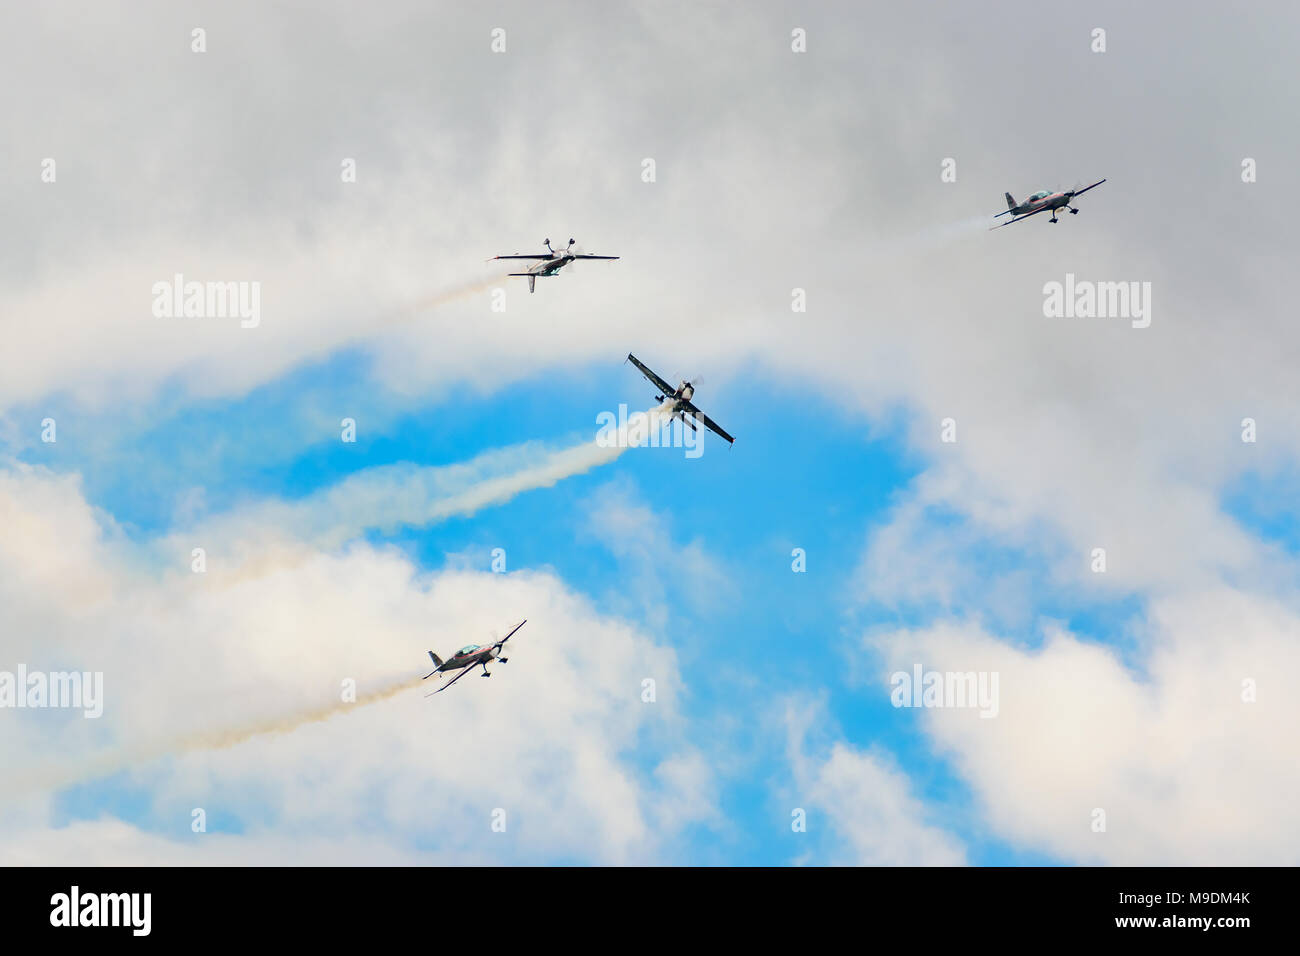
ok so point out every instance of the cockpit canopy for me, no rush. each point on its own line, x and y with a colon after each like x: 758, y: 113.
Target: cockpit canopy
x: 1041, y: 194
x: 468, y: 648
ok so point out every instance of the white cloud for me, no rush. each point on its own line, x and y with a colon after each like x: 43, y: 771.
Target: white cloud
x: 1073, y: 434
x: 111, y: 842
x: 657, y: 572
x: 1186, y: 772
x: 557, y: 738
x: 865, y: 802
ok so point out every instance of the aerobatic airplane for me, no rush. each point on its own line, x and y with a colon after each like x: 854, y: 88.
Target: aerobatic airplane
x: 550, y: 262
x: 681, y: 399
x: 468, y: 657
x: 1042, y: 201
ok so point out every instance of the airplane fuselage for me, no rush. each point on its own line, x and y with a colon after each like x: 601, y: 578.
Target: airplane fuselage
x: 680, y: 398
x: 1054, y: 201
x: 481, y: 655
x: 550, y: 267
x: 682, y: 393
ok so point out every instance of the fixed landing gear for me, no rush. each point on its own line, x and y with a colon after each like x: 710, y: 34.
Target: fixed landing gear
x: 1073, y: 211
x: 1053, y: 219
x: 503, y: 660
x: 486, y: 672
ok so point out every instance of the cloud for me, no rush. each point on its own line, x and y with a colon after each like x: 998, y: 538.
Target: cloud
x: 111, y: 842
x: 822, y: 175
x: 1187, y: 771
x: 657, y: 573
x: 560, y: 738
x: 1102, y: 434
x: 860, y: 806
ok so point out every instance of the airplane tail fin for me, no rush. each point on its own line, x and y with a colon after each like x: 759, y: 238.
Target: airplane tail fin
x: 1011, y: 201
x: 437, y: 662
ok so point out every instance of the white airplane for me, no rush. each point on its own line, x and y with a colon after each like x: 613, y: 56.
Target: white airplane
x: 550, y: 262
x: 467, y: 658
x: 1042, y: 201
x: 682, y: 406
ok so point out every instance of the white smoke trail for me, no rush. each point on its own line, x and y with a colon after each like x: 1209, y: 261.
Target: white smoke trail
x: 22, y: 783
x: 415, y: 310
x: 390, y: 497
x: 411, y: 499
x: 928, y: 238
x: 551, y: 469
x: 444, y: 297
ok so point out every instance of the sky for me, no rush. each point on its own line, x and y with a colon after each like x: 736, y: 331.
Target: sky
x: 253, y: 528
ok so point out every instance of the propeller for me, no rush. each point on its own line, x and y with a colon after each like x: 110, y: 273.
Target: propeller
x: 680, y: 381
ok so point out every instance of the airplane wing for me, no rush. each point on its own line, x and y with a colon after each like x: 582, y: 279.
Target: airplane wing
x: 463, y: 672
x: 511, y: 634
x: 595, y: 257
x: 709, y: 423
x: 658, y: 382
x: 539, y: 256
x: 1017, y: 219
x: 1093, y: 186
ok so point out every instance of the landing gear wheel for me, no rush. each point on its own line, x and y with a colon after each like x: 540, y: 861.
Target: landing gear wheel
x: 1074, y: 212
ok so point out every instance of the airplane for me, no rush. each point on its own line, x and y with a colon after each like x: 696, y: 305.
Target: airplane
x: 681, y: 399
x: 1041, y: 201
x: 551, y: 262
x: 467, y: 657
